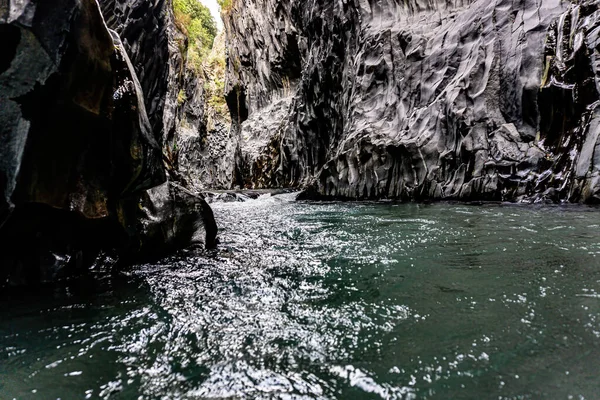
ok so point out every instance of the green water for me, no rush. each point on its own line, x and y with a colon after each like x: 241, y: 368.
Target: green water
x: 331, y: 301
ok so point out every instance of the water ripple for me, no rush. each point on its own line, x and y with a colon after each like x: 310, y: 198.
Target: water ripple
x: 332, y: 301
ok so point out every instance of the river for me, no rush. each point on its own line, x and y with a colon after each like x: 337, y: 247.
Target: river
x: 330, y: 301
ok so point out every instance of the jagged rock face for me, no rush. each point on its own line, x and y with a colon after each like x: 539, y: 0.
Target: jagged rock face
x: 75, y: 130
x: 272, y: 105
x: 204, y: 149
x: 77, y: 148
x: 75, y: 137
x: 467, y: 100
x: 157, y: 50
x: 176, y: 103
x: 197, y: 144
x: 206, y: 155
x: 568, y: 102
x: 148, y: 34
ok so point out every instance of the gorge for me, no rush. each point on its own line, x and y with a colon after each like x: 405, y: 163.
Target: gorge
x: 248, y: 213
x: 470, y: 101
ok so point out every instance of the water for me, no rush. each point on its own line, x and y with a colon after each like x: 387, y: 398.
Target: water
x: 331, y: 301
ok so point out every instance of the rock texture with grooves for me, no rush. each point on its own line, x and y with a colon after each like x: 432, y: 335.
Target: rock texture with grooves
x: 156, y: 48
x: 198, y: 149
x: 206, y: 150
x: 173, y: 217
x: 467, y: 100
x: 169, y: 216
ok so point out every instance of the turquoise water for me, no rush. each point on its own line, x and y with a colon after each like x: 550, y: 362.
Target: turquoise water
x: 330, y: 301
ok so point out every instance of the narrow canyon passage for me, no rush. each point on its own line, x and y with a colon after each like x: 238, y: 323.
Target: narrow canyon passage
x: 299, y: 199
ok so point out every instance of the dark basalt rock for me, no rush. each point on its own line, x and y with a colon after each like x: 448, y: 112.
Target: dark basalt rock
x: 204, y: 146
x: 167, y: 218
x: 206, y: 154
x: 178, y: 216
x: 75, y: 130
x: 42, y: 244
x: 76, y: 146
x: 199, y: 150
x: 146, y: 28
x: 470, y: 100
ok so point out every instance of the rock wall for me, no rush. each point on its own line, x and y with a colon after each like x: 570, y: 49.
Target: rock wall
x: 147, y: 30
x: 206, y: 150
x: 468, y: 100
x: 199, y: 151
x: 81, y: 161
x: 205, y: 146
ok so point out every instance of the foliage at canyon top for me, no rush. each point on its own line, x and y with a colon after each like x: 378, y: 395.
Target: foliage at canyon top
x: 225, y: 5
x: 197, y: 23
x: 204, y: 57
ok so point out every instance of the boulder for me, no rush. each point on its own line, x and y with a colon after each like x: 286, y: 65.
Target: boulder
x: 167, y: 218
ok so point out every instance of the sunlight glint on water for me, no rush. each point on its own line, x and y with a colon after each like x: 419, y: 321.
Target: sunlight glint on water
x: 333, y: 301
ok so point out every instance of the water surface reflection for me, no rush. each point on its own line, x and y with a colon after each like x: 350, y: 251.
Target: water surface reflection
x: 333, y: 301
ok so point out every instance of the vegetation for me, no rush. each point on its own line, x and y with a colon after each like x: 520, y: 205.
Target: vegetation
x: 181, y: 97
x: 215, y: 82
x: 226, y: 5
x: 197, y: 23
x: 205, y: 50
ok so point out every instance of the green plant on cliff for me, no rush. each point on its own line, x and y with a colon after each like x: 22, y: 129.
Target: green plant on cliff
x: 226, y: 5
x: 197, y: 23
x: 181, y: 97
x: 205, y: 51
x: 215, y: 77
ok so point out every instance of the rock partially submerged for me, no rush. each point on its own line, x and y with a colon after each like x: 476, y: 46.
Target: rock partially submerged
x: 171, y: 217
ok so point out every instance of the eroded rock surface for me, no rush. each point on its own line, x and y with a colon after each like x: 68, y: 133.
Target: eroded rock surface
x: 469, y: 100
x: 168, y: 218
x: 150, y: 39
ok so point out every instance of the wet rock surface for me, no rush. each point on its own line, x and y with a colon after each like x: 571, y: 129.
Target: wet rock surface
x: 206, y: 155
x: 474, y: 100
x: 78, y: 150
x: 170, y: 217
